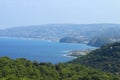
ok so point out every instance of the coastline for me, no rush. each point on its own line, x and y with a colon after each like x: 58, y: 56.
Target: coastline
x: 77, y: 53
x: 27, y: 38
x: 20, y: 48
x: 68, y: 53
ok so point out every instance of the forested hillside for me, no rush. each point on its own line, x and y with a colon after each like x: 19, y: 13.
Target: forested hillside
x: 22, y: 69
x: 107, y: 58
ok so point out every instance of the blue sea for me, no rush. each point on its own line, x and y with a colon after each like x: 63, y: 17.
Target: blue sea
x: 41, y: 51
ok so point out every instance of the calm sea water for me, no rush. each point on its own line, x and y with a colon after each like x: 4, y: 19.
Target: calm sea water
x: 42, y: 51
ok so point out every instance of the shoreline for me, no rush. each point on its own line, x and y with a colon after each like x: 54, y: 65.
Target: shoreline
x: 77, y: 53
x: 28, y: 38
x: 66, y: 55
x: 48, y: 40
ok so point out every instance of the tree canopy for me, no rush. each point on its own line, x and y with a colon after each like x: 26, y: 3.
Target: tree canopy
x: 107, y: 58
x: 23, y: 69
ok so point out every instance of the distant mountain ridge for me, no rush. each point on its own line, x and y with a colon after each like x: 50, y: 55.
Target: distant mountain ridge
x: 55, y: 32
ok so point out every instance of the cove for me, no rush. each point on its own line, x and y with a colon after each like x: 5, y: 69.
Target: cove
x: 39, y: 50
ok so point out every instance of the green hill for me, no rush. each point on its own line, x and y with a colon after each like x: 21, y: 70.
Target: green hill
x: 107, y: 58
x: 22, y: 69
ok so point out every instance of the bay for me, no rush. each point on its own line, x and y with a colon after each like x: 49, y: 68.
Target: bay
x: 39, y: 50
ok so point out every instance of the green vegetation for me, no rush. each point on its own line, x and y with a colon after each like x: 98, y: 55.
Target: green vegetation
x: 71, y: 40
x: 107, y: 58
x: 99, y: 41
x: 22, y: 69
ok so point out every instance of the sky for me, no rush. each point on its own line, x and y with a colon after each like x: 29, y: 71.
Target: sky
x: 15, y: 13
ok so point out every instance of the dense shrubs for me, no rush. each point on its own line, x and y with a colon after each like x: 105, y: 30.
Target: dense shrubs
x: 22, y: 69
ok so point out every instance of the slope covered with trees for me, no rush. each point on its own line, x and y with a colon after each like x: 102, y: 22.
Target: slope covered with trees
x: 22, y: 69
x: 107, y: 58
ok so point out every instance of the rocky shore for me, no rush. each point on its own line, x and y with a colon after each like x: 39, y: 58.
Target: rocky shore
x: 77, y: 53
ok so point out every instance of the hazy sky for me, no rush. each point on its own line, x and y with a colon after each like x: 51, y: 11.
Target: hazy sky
x: 36, y: 12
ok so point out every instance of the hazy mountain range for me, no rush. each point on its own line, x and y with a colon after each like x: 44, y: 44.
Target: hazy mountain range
x: 54, y: 32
